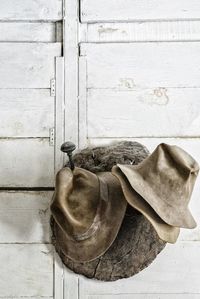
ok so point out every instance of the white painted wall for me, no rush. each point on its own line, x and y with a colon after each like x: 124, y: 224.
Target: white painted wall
x: 131, y: 72
x: 30, y: 41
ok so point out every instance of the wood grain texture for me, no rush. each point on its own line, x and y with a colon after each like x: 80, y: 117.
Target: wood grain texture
x: 129, y: 10
x: 24, y: 216
x: 59, y: 113
x: 71, y: 52
x: 71, y: 285
x: 26, y: 163
x: 141, y: 31
x: 144, y: 296
x: 58, y: 278
x: 175, y: 270
x: 127, y: 66
x: 115, y: 113
x: 26, y: 112
x: 22, y: 297
x: 27, y: 32
x: 13, y: 10
x: 26, y: 270
x: 28, y: 65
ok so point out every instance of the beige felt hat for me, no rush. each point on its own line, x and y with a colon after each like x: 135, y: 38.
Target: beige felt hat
x: 165, y: 231
x: 88, y: 210
x: 165, y: 180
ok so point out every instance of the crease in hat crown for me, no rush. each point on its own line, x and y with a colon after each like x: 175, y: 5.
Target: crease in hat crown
x: 88, y: 210
x: 165, y: 180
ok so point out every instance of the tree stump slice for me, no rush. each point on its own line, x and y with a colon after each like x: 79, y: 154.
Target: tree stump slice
x: 137, y: 244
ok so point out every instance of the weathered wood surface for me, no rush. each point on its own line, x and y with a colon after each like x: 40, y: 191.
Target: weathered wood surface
x: 72, y: 280
x: 129, y: 10
x: 143, y: 296
x: 139, y: 81
x: 71, y: 52
x: 59, y: 113
x: 24, y: 216
x: 26, y: 163
x: 26, y: 270
x: 176, y: 270
x: 26, y: 112
x: 135, y: 248
x: 188, y: 30
x: 32, y: 10
x: 28, y: 65
x: 126, y: 66
x: 27, y: 32
x: 137, y: 244
x: 143, y: 112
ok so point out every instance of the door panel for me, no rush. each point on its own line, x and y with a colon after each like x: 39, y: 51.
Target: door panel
x: 28, y: 65
x: 30, y: 46
x: 139, y: 80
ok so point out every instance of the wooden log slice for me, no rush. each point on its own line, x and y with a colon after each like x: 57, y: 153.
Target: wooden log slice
x: 137, y: 243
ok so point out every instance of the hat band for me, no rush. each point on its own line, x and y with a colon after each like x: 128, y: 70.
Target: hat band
x: 103, y: 196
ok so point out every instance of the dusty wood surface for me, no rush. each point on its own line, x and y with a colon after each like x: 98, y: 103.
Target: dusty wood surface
x: 127, y: 10
x: 137, y: 244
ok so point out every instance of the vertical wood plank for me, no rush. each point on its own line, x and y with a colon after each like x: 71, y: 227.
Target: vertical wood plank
x: 83, y: 127
x: 58, y: 277
x: 71, y: 287
x: 59, y: 114
x: 71, y: 70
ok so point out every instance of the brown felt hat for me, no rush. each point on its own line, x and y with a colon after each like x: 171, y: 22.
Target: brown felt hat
x: 164, y: 180
x: 88, y: 210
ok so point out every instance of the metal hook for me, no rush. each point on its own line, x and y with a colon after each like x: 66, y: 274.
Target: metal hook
x: 69, y: 147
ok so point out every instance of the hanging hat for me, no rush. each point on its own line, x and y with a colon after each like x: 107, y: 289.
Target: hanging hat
x: 165, y: 231
x: 165, y: 180
x: 88, y: 210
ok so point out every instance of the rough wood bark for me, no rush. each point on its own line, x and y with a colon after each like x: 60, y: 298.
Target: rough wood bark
x: 137, y: 243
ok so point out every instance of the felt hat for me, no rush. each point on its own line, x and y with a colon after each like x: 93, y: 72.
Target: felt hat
x: 88, y: 210
x: 165, y: 180
x: 165, y: 231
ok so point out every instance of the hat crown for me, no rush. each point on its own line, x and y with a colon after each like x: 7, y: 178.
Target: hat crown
x: 166, y: 179
x: 83, y: 200
x: 170, y: 166
x: 88, y: 210
x: 76, y: 200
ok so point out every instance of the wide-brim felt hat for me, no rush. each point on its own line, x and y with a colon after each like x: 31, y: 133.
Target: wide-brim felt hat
x: 88, y: 210
x: 165, y: 180
x: 165, y: 231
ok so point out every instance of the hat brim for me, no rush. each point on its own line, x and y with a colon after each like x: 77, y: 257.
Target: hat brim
x: 165, y: 232
x: 109, y: 223
x: 178, y: 216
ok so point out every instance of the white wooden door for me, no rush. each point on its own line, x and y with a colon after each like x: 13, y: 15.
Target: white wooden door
x: 139, y: 76
x: 30, y: 58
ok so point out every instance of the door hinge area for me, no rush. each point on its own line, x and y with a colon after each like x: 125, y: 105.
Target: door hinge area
x: 51, y: 136
x: 53, y: 87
